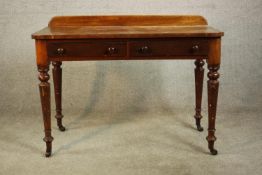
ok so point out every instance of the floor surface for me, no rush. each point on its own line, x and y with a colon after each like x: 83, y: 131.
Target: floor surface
x: 150, y: 143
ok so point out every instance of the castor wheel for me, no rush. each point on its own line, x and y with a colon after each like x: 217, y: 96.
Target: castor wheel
x: 59, y: 122
x: 213, y: 152
x: 62, y: 128
x: 200, y: 128
x: 48, y: 154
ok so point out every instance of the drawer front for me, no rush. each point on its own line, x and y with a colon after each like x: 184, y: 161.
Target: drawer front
x: 87, y: 49
x: 177, y: 47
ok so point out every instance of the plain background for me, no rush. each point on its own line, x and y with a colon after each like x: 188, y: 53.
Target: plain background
x: 127, y: 88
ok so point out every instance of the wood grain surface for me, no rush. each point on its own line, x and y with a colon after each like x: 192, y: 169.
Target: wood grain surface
x: 83, y: 27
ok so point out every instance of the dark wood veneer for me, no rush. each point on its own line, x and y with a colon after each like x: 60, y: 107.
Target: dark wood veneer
x: 87, y: 48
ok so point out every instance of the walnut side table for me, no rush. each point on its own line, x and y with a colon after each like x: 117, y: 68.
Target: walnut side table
x: 85, y: 38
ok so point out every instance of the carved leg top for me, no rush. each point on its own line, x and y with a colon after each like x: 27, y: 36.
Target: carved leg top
x: 43, y: 74
x: 199, y: 63
x: 56, y: 63
x: 213, y: 72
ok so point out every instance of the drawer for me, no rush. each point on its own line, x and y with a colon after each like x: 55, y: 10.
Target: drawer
x: 176, y: 47
x: 87, y: 49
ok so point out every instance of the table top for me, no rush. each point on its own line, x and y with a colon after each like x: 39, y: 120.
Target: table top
x: 84, y: 27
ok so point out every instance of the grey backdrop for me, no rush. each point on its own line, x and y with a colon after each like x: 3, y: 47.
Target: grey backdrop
x: 117, y: 86
x: 127, y: 87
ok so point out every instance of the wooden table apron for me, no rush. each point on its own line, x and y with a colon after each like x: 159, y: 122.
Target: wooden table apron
x: 153, y: 45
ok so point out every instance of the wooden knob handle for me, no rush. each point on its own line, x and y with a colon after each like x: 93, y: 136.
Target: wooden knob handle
x: 144, y: 50
x: 195, y: 48
x: 112, y: 50
x: 60, y: 51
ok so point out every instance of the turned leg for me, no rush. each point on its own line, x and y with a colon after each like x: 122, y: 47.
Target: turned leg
x: 199, y: 77
x: 213, y: 85
x: 57, y: 77
x: 44, y: 88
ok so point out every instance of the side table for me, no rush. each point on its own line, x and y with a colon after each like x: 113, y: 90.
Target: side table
x: 85, y: 38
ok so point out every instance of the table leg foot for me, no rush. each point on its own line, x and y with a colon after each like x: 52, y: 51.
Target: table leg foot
x: 198, y: 118
x: 48, y: 154
x: 199, y: 128
x: 211, y: 141
x: 213, y: 152
x: 59, y: 122
x: 48, y: 141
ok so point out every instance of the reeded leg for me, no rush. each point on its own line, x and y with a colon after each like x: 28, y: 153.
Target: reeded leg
x: 44, y: 88
x: 57, y: 77
x: 213, y: 85
x: 199, y: 77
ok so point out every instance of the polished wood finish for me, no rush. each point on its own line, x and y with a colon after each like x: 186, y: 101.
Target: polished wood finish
x: 214, y: 52
x: 79, y: 27
x: 42, y: 59
x: 163, y: 48
x: 85, y: 38
x: 102, y: 32
x: 199, y: 77
x: 57, y: 78
x: 44, y: 88
x: 90, y: 48
x: 129, y: 49
x: 125, y: 20
x: 212, y: 85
